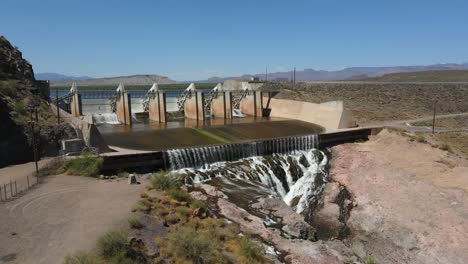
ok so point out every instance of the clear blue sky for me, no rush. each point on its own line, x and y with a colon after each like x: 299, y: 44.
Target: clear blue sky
x: 189, y: 39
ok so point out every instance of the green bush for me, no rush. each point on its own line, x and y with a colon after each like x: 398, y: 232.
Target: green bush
x: 86, y: 165
x: 370, y: 260
x: 112, y: 244
x: 135, y: 223
x: 198, y: 247
x: 180, y: 195
x: 420, y: 138
x: 250, y: 250
x: 81, y: 258
x: 54, y: 167
x: 8, y: 88
x: 165, y: 181
x: 445, y: 146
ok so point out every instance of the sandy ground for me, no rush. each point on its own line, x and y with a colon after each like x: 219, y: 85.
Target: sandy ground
x: 412, y: 203
x: 62, y: 215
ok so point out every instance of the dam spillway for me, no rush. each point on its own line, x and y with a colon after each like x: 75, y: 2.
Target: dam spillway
x: 153, y: 160
x: 201, y: 156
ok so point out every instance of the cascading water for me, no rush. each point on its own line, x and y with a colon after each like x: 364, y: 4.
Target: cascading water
x: 199, y: 157
x: 292, y: 169
x: 108, y: 118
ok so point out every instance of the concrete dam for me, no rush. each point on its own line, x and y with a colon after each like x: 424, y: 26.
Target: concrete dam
x: 176, y: 129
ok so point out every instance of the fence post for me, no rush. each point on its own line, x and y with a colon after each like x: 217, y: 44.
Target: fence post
x: 27, y: 179
x: 16, y: 189
x: 1, y: 198
x: 11, y: 190
x: 4, y: 191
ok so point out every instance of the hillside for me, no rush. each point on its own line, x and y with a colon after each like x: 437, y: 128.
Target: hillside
x: 374, y: 101
x: 351, y: 73
x: 425, y: 76
x: 56, y: 77
x: 140, y: 79
x: 18, y: 91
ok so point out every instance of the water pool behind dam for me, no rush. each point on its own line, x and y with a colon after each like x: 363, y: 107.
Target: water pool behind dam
x: 154, y: 136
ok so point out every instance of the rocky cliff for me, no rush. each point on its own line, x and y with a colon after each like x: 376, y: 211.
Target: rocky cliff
x: 12, y: 64
x: 19, y: 90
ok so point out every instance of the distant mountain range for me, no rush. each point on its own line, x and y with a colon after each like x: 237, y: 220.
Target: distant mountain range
x: 353, y: 73
x: 345, y: 74
x: 56, y: 77
x: 140, y: 79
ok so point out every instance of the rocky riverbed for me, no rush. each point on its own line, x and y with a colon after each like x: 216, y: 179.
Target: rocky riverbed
x: 388, y: 200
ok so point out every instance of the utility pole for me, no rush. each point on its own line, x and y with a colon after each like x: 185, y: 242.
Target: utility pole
x: 57, y: 105
x: 434, y: 117
x: 266, y: 74
x: 33, y: 122
x: 294, y: 75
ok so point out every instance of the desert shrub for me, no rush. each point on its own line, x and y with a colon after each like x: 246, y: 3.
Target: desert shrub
x: 250, y: 250
x: 180, y: 195
x: 420, y: 138
x: 86, y: 165
x: 445, y: 146
x: 171, y: 219
x: 135, y: 223
x: 54, y: 167
x: 143, y: 205
x: 8, y: 88
x: 123, y: 174
x: 81, y: 258
x: 19, y: 112
x: 198, y: 204
x: 185, y: 212
x: 370, y: 260
x: 112, y: 244
x: 198, y: 247
x: 165, y: 181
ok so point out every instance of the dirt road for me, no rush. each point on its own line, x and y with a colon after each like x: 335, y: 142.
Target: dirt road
x: 64, y: 214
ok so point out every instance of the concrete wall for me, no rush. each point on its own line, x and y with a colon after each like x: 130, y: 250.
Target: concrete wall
x: 221, y: 105
x: 124, y: 108
x: 330, y: 115
x: 157, y: 107
x: 88, y: 132
x: 75, y: 105
x: 252, y: 104
x: 193, y: 107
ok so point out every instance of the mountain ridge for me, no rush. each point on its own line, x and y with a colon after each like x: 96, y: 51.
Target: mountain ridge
x: 349, y: 73
x: 136, y: 79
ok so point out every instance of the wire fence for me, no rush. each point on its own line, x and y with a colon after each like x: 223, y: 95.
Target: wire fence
x: 15, y: 188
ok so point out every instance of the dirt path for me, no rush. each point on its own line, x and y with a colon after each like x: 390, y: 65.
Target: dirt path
x: 412, y: 200
x: 63, y: 215
x: 404, y: 122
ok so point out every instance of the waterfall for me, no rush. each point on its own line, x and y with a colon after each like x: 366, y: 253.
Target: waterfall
x: 237, y: 113
x: 198, y: 157
x: 291, y: 168
x: 298, y: 178
x: 108, y: 118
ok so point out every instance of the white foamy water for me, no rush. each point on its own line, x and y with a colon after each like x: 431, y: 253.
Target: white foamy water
x: 237, y: 113
x: 298, y: 178
x: 106, y: 118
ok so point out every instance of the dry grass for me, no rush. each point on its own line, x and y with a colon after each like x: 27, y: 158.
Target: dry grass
x: 372, y: 101
x: 454, y: 142
x: 194, y: 235
x: 458, y: 122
